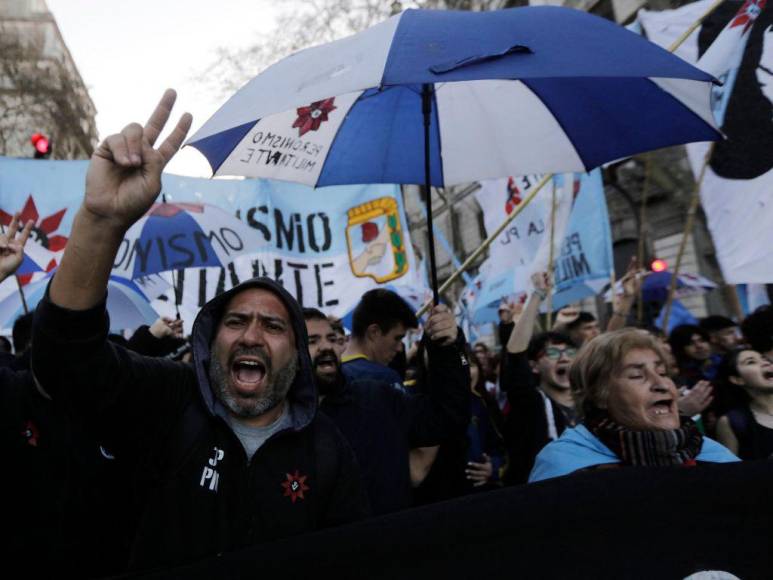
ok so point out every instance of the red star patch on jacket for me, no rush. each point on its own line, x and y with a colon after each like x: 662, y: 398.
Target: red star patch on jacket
x: 295, y: 485
x: 31, y: 433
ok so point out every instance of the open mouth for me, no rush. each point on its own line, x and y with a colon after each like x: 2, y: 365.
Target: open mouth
x: 663, y: 406
x: 248, y: 372
x: 768, y: 374
x: 326, y: 362
x: 562, y: 372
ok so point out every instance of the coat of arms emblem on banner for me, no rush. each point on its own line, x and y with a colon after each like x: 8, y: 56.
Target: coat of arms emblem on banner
x: 375, y: 240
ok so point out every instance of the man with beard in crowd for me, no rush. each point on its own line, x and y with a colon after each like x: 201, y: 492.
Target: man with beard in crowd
x: 383, y: 423
x: 535, y: 376
x: 229, y: 451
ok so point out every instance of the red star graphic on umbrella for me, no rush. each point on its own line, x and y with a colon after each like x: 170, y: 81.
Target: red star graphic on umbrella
x: 513, y: 196
x: 311, y: 117
x: 41, y: 232
x: 748, y: 14
x: 295, y: 485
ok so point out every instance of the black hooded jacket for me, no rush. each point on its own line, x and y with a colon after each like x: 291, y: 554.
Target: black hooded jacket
x: 196, y: 494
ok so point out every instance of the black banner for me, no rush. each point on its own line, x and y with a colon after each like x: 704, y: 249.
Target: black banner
x: 619, y: 523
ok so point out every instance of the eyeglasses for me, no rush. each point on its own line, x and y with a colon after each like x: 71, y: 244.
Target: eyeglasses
x: 554, y: 353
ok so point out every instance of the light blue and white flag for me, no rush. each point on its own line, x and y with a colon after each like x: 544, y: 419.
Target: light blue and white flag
x: 582, y: 252
x: 326, y: 246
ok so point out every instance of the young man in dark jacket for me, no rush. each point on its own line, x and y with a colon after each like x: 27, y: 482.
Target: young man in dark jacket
x: 228, y: 452
x: 535, y: 376
x: 383, y: 423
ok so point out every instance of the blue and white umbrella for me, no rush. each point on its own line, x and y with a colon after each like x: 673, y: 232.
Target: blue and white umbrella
x: 444, y: 97
x: 127, y: 305
x: 174, y: 236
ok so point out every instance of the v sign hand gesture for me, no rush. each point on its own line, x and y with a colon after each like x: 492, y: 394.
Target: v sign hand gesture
x: 12, y: 247
x: 124, y: 176
x: 123, y: 180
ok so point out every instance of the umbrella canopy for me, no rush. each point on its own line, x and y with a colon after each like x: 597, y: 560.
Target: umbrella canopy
x: 519, y: 91
x: 173, y: 236
x: 443, y: 97
x: 656, y: 284
x: 126, y: 303
x: 38, y: 259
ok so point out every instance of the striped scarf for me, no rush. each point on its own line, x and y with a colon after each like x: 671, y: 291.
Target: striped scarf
x: 648, y: 448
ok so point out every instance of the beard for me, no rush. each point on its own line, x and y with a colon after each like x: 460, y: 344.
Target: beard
x: 277, y: 384
x: 326, y: 380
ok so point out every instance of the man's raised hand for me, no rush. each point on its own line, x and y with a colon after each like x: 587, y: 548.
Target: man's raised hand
x: 441, y: 325
x: 124, y: 176
x: 12, y: 247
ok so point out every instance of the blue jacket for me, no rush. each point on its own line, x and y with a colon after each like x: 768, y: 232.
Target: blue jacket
x: 578, y: 448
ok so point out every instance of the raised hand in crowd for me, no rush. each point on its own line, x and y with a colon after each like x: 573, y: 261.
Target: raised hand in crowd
x: 441, y: 326
x: 524, y: 328
x: 480, y: 473
x: 622, y: 304
x: 164, y: 327
x: 565, y: 316
x: 123, y: 180
x: 12, y: 244
x: 695, y: 400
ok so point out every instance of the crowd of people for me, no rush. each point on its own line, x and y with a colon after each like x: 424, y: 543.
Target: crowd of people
x: 270, y: 421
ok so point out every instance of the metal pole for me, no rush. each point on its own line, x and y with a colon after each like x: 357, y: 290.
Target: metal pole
x: 426, y: 108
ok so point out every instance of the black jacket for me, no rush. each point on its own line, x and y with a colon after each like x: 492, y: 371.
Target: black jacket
x: 195, y: 492
x: 383, y: 423
x: 526, y: 429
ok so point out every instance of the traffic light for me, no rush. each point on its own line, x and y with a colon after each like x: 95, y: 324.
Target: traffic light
x: 42, y: 145
x: 658, y: 265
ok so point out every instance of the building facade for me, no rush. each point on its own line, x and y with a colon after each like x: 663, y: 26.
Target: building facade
x: 41, y: 90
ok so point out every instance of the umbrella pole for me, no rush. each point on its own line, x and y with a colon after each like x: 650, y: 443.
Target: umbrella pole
x: 688, y: 226
x: 426, y: 108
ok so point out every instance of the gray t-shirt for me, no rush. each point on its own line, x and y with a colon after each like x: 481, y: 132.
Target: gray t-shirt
x: 253, y: 438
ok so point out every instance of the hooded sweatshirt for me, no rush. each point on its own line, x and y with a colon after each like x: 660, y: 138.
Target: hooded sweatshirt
x: 196, y: 492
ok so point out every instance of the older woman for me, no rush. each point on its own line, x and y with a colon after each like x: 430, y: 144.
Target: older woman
x: 620, y: 381
x: 747, y: 429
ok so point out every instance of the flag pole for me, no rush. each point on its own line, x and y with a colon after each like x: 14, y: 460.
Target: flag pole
x: 643, y: 233
x: 688, y: 227
x: 174, y: 282
x: 551, y: 259
x: 685, y: 35
x: 488, y: 241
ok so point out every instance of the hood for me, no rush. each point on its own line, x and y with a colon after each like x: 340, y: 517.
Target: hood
x: 302, y: 396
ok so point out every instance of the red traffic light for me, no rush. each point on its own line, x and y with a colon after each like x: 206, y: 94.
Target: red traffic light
x: 42, y: 145
x: 658, y: 265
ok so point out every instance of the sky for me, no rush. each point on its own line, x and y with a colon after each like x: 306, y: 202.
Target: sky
x: 129, y: 51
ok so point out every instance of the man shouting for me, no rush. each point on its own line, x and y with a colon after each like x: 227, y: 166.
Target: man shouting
x: 228, y: 451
